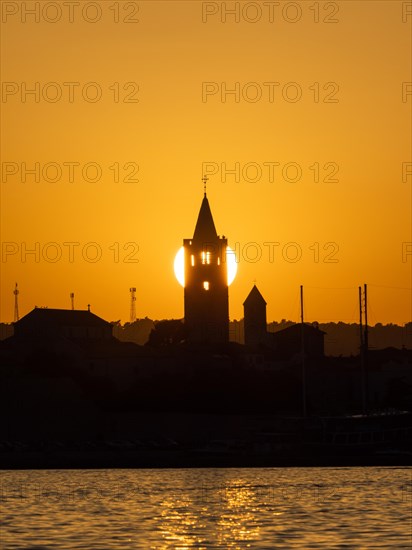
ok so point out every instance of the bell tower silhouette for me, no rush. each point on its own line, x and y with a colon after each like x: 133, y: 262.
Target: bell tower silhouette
x: 254, y: 318
x: 206, y: 292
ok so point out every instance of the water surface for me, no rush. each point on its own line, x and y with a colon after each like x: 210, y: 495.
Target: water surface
x: 213, y: 508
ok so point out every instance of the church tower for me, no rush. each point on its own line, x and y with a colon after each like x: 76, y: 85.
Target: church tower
x: 206, y: 291
x: 255, y: 327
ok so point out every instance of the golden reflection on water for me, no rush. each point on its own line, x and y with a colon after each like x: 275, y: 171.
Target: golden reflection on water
x: 179, y: 525
x: 213, y: 509
x: 237, y: 524
x: 232, y: 514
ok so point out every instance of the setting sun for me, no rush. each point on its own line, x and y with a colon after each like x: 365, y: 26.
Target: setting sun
x: 179, y: 266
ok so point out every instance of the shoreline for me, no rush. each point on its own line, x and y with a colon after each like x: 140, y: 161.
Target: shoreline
x: 196, y: 459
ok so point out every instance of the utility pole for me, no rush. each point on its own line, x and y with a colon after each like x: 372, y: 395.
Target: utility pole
x: 366, y: 347
x: 132, y: 291
x: 304, y: 411
x: 16, y: 304
x: 362, y: 354
x: 72, y: 299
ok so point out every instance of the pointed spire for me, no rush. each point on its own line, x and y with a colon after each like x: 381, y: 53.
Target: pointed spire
x: 254, y: 296
x: 205, y: 230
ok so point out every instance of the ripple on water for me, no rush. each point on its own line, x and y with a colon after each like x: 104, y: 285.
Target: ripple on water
x: 215, y: 509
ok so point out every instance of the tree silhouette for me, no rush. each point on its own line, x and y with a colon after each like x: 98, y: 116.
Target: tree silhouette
x: 167, y: 333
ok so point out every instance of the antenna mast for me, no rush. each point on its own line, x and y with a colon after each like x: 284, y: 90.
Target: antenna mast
x: 205, y: 179
x: 16, y: 304
x: 132, y: 291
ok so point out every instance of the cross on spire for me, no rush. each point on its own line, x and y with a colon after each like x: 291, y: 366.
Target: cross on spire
x: 205, y: 179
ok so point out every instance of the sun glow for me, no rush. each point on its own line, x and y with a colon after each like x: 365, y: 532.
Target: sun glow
x: 179, y: 265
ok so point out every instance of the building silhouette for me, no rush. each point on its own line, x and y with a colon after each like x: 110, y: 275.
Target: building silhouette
x: 285, y: 343
x: 206, y: 294
x: 255, y: 326
x: 67, y: 323
x: 288, y: 341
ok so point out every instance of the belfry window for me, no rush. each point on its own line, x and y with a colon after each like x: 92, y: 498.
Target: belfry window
x: 205, y: 258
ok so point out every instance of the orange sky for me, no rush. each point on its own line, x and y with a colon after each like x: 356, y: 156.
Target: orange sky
x: 174, y: 130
